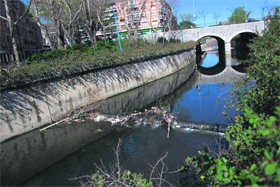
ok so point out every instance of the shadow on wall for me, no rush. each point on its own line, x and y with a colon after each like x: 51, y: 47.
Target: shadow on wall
x: 26, y: 155
x: 147, y: 95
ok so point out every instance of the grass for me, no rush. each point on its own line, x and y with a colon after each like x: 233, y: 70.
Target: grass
x: 74, y: 61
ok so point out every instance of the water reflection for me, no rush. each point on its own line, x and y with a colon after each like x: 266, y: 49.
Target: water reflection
x: 24, y: 156
x: 203, y: 103
x: 213, y: 63
x: 211, y: 59
x: 140, y: 147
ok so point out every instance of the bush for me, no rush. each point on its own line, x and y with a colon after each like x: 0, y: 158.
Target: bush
x: 161, y: 40
x: 48, y: 55
x: 252, y: 158
x: 108, y: 45
x: 84, y: 48
x: 174, y: 40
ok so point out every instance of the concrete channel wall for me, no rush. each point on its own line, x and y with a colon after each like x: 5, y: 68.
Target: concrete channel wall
x: 35, y: 105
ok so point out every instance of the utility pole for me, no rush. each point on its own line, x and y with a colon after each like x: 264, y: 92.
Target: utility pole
x: 116, y: 22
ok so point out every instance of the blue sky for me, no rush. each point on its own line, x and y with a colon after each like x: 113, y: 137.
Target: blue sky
x: 223, y: 8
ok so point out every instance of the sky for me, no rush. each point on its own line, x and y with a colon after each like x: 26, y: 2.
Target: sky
x: 223, y: 8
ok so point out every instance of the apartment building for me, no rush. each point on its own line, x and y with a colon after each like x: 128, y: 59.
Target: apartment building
x: 150, y: 15
x: 28, y: 34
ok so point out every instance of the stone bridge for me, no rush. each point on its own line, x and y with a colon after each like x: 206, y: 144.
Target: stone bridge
x: 223, y: 33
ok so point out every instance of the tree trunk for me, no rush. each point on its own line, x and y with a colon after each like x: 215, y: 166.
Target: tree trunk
x: 54, y: 14
x: 43, y: 28
x: 59, y: 35
x: 12, y: 33
x: 90, y: 28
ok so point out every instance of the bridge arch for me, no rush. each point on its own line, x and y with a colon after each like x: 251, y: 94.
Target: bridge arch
x: 240, y: 32
x: 216, y: 36
x: 221, y: 43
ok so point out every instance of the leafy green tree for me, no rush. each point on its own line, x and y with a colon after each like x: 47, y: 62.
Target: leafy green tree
x: 174, y: 23
x: 186, y: 25
x: 187, y: 20
x: 262, y: 96
x: 239, y: 15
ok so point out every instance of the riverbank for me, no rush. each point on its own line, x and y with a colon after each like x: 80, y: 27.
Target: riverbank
x: 43, y: 102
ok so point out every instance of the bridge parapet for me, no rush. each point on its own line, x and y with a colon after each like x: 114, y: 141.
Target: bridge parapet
x: 224, y: 32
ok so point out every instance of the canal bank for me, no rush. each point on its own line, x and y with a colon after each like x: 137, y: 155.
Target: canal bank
x: 32, y: 106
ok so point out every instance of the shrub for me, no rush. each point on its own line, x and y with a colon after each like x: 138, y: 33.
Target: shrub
x: 174, y: 40
x: 161, y: 40
x: 102, y: 45
x: 48, y: 55
x: 85, y: 48
x: 252, y: 158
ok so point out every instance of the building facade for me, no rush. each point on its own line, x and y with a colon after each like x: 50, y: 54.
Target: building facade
x: 150, y: 15
x: 28, y: 34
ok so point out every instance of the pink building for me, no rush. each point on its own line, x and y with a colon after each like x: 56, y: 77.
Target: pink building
x: 150, y: 16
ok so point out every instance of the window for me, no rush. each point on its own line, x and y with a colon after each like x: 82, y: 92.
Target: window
x: 144, y: 15
x: 155, y: 22
x: 144, y: 23
x: 123, y: 27
x: 154, y: 15
x: 121, y: 12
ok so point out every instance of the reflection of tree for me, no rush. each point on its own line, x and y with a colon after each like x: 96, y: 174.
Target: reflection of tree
x: 208, y: 93
x: 183, y: 112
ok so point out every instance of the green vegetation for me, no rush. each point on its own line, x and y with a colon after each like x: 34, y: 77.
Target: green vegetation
x: 254, y: 140
x: 239, y: 15
x: 79, y: 58
x: 187, y: 20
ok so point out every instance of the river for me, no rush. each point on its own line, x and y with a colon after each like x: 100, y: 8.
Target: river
x: 58, y: 155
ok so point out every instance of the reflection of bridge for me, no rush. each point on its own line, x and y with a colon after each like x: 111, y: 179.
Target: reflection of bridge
x: 223, y: 33
x: 227, y: 75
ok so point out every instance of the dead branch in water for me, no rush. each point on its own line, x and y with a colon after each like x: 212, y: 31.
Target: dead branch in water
x: 118, y: 177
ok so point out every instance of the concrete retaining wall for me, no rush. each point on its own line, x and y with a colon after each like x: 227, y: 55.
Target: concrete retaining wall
x: 35, y: 105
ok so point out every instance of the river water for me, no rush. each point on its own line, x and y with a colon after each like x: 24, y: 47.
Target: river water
x: 70, y: 151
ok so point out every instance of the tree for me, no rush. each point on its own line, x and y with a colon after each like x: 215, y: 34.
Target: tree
x: 203, y: 14
x: 169, y: 6
x: 69, y: 18
x: 216, y: 16
x: 105, y: 21
x: 91, y: 20
x: 132, y: 14
x: 13, y: 17
x: 239, y: 15
x: 174, y: 23
x: 37, y: 14
x: 187, y: 20
x: 55, y: 9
